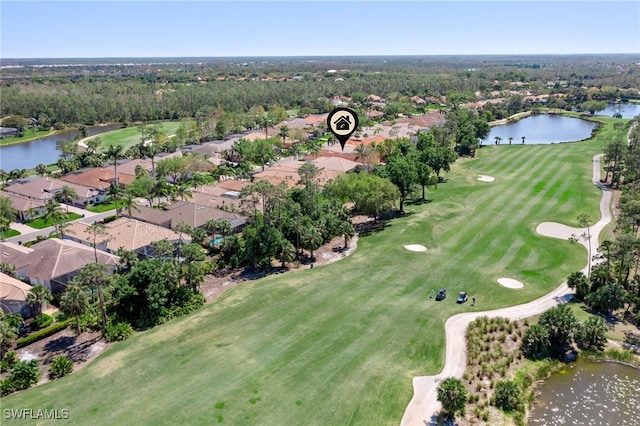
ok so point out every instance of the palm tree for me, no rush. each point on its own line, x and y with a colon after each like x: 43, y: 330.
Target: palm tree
x: 94, y: 276
x: 66, y: 194
x: 37, y: 297
x: 75, y: 303
x: 41, y: 169
x: 54, y: 212
x: 96, y: 229
x: 129, y: 203
x: 362, y: 152
x: 498, y: 139
x: 183, y: 191
x: 510, y: 140
x: 115, y: 152
x: 284, y: 132
x: 523, y: 138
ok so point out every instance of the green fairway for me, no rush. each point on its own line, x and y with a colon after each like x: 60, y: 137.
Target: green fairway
x: 339, y: 344
x: 130, y: 136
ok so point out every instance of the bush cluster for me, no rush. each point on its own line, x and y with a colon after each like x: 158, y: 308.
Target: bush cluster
x: 60, y: 367
x: 118, y: 332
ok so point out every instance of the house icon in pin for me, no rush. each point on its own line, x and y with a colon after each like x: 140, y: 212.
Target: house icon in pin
x: 342, y: 123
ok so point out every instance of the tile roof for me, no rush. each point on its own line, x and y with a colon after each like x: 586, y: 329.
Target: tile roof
x: 12, y: 292
x: 99, y: 177
x: 20, y: 203
x: 54, y: 258
x: 125, y: 232
x: 45, y: 188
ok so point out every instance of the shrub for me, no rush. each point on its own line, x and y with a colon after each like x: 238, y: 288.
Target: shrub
x: 507, y: 395
x: 592, y: 334
x: 60, y: 367
x: 118, y: 332
x: 10, y: 359
x: 38, y: 335
x: 24, y: 374
x: 6, y: 387
x: 41, y: 322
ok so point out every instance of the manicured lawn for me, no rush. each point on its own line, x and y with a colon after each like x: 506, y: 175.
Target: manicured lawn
x: 27, y: 136
x: 10, y: 233
x: 41, y: 223
x: 130, y: 136
x: 101, y: 208
x: 339, y: 344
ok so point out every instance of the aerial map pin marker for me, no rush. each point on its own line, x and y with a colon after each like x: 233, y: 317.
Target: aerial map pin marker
x: 342, y: 122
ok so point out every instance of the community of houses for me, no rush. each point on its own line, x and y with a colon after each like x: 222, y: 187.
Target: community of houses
x: 54, y: 262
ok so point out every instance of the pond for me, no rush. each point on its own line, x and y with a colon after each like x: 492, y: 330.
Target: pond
x: 589, y: 393
x: 29, y: 154
x: 627, y: 110
x: 542, y: 129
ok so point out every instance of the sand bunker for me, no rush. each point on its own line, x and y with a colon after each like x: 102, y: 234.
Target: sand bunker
x: 485, y: 178
x: 510, y: 283
x: 415, y: 247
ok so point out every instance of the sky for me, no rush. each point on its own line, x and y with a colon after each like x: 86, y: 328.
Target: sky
x: 206, y: 28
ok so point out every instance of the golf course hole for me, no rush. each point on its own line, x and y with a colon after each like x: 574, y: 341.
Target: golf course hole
x: 510, y: 283
x: 486, y: 178
x: 415, y: 247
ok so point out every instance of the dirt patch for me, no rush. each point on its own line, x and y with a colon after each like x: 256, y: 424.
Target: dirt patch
x: 80, y: 348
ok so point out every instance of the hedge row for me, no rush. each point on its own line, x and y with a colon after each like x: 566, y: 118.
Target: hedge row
x: 38, y: 335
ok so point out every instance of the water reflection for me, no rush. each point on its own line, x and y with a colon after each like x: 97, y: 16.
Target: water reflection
x: 29, y: 154
x: 589, y: 393
x: 542, y: 129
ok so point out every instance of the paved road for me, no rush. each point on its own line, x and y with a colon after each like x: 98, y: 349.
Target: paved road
x: 424, y: 406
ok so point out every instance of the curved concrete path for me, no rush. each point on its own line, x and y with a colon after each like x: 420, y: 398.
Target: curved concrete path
x: 424, y: 406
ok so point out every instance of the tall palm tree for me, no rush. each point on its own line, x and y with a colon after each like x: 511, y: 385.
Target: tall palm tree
x: 75, y: 303
x: 129, y: 203
x: 523, y: 138
x: 510, y: 140
x: 284, y: 132
x: 115, y: 153
x: 96, y: 229
x: 66, y: 194
x: 54, y: 212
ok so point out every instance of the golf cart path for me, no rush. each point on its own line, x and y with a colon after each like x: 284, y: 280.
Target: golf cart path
x: 424, y: 406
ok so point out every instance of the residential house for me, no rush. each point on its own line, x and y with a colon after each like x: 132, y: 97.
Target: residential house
x: 44, y: 190
x: 192, y: 214
x: 52, y: 263
x: 26, y: 208
x: 98, y: 177
x: 13, y: 296
x: 130, y: 234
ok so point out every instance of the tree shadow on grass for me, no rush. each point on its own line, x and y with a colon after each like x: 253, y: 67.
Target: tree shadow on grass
x: 419, y: 202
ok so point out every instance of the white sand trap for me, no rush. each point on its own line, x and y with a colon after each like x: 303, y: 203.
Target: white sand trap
x: 510, y: 283
x: 485, y: 178
x: 415, y: 247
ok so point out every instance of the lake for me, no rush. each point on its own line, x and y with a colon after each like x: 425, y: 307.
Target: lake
x: 542, y: 129
x: 627, y: 110
x: 29, y: 154
x: 589, y: 393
